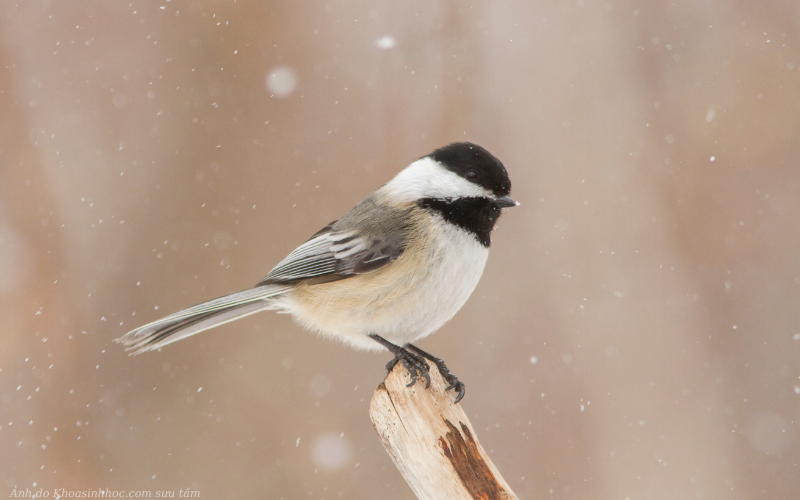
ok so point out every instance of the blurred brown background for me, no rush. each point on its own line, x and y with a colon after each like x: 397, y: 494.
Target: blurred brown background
x: 636, y: 333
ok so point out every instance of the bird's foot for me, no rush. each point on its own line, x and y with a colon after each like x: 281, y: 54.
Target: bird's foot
x: 414, y: 364
x: 448, y: 376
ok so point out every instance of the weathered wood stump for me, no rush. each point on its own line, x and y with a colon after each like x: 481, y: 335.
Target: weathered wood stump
x: 432, y: 442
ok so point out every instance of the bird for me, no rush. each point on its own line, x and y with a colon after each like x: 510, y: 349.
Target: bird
x: 391, y: 271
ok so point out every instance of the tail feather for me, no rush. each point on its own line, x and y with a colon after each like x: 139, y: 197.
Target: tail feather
x: 200, y: 317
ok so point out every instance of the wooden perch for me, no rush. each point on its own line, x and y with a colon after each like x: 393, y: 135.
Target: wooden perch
x: 432, y: 442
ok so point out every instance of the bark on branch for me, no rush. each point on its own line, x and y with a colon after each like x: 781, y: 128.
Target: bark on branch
x: 432, y: 442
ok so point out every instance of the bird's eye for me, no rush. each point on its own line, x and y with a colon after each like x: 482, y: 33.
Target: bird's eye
x: 471, y: 175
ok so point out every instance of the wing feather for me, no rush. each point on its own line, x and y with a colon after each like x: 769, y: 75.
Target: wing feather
x: 338, y: 251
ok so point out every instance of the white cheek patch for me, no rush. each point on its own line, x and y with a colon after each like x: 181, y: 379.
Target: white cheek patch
x: 426, y: 178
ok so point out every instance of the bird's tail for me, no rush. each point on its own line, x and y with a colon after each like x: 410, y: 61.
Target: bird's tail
x: 200, y: 317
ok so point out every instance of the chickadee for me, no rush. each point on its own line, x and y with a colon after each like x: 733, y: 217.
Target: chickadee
x: 392, y: 271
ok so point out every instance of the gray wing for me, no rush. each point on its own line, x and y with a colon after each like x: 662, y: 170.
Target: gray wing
x: 367, y: 238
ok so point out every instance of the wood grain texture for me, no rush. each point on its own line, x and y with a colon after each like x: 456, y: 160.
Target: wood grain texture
x: 432, y: 442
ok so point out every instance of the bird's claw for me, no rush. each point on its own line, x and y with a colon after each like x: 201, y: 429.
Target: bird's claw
x: 449, y: 377
x: 414, y: 365
x: 457, y: 385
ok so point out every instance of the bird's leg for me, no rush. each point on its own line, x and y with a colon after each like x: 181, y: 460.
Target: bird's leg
x: 451, y: 379
x: 413, y: 363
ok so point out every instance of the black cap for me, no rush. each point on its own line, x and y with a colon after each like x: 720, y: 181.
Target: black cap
x: 476, y: 165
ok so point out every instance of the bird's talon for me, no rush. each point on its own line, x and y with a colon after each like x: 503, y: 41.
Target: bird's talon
x: 414, y: 365
x: 461, y: 391
x: 445, y: 372
x: 390, y: 365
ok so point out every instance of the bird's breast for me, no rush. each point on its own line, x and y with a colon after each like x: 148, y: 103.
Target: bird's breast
x: 403, y: 301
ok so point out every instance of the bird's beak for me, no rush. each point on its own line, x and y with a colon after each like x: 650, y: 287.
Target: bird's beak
x: 506, y: 202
